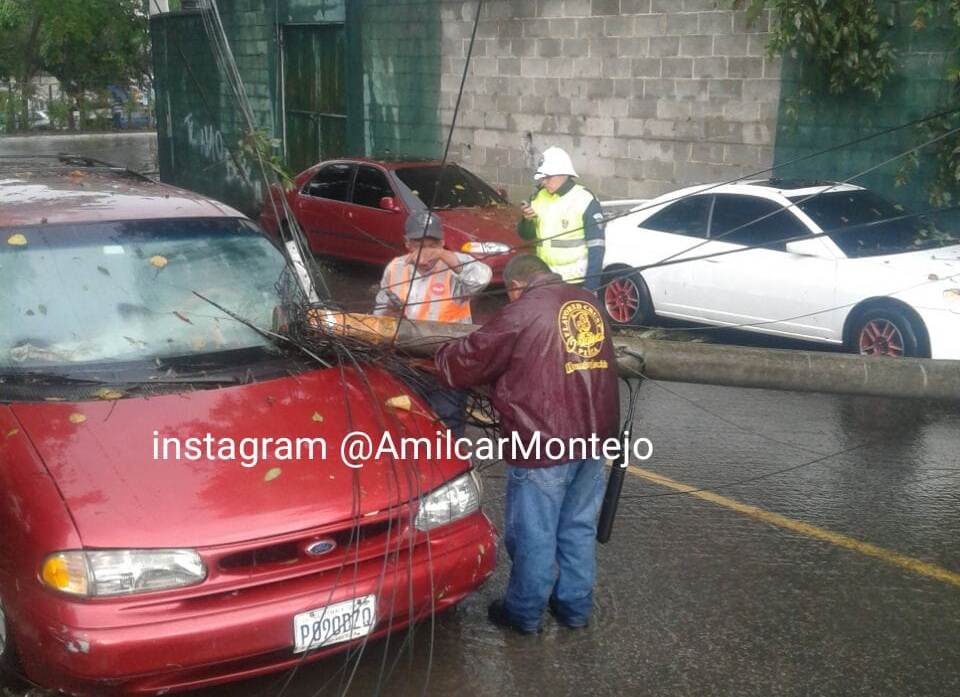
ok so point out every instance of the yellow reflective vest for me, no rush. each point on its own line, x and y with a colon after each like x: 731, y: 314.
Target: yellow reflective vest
x: 561, y: 241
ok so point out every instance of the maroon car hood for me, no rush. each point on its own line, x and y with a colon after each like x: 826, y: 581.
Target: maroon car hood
x: 488, y: 224
x: 101, y: 456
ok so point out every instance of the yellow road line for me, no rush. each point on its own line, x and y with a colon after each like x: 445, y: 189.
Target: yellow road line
x: 901, y: 560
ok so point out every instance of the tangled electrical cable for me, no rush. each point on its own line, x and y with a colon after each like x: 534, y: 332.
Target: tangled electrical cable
x: 679, y: 258
x: 299, y: 329
x: 667, y: 199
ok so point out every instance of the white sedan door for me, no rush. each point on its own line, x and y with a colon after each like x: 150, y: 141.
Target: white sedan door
x: 765, y: 288
x: 669, y: 233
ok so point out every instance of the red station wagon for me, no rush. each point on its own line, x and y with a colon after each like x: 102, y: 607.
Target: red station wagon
x: 356, y: 209
x: 127, y: 566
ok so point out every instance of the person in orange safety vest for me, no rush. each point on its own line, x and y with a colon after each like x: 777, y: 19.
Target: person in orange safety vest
x: 430, y: 282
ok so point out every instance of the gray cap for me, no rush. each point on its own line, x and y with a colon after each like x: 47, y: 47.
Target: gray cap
x: 423, y: 224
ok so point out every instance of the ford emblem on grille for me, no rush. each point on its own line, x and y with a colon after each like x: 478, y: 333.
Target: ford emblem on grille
x: 320, y: 547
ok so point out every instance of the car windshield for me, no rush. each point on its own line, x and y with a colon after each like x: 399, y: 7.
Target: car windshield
x: 107, y: 293
x: 864, y: 224
x: 454, y: 187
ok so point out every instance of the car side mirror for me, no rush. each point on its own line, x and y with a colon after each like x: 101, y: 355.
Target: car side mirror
x: 389, y: 203
x: 806, y: 248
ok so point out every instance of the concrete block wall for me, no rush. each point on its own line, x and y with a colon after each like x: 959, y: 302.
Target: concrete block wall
x: 400, y: 55
x: 647, y: 95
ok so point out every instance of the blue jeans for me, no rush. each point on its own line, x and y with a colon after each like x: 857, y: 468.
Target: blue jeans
x: 550, y: 534
x: 448, y: 403
x: 450, y: 406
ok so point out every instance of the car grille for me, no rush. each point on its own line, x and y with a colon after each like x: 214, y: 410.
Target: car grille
x: 355, y: 540
x: 252, y: 570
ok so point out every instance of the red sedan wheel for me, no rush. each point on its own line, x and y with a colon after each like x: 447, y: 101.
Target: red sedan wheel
x: 622, y: 299
x: 881, y: 337
x: 9, y: 665
x: 3, y: 634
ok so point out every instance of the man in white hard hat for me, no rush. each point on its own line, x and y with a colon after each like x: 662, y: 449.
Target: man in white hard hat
x: 566, y: 221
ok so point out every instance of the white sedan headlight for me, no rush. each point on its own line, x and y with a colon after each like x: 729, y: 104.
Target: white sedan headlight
x: 107, y: 572
x: 485, y: 248
x: 951, y: 297
x: 454, y: 500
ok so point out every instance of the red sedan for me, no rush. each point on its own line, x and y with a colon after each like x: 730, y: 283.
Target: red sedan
x: 355, y: 209
x: 175, y: 508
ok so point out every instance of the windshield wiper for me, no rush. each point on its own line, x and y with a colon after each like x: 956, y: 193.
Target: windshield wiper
x: 120, y: 383
x: 40, y: 377
x: 186, y: 380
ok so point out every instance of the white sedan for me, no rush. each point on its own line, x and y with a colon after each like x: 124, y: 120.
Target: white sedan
x: 875, y: 279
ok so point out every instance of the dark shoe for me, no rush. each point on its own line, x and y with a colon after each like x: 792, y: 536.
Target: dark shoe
x: 558, y: 614
x: 497, y: 614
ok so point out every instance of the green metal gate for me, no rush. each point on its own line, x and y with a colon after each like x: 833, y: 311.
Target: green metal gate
x: 315, y: 104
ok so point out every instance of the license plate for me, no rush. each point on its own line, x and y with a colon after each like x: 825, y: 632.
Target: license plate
x: 350, y: 619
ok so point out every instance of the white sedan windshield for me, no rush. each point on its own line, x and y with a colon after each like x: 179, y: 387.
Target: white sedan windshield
x: 110, y: 292
x: 865, y: 224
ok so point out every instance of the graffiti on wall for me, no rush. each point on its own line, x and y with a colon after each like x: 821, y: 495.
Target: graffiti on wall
x: 208, y: 141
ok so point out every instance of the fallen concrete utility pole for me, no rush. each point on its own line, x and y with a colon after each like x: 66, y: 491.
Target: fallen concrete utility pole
x: 711, y: 364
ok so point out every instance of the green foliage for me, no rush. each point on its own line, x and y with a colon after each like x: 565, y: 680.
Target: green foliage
x: 96, y: 43
x: 944, y: 156
x: 86, y: 44
x: 8, y: 110
x: 927, y: 11
x: 842, y: 50
x: 840, y: 42
x: 257, y: 146
x: 59, y: 111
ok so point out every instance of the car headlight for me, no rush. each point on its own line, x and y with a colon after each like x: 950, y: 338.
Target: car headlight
x: 454, y: 500
x: 485, y: 248
x: 951, y: 297
x: 107, y: 572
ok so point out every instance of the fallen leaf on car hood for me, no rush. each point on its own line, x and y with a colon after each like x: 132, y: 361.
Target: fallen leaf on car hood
x: 159, y: 261
x: 271, y: 474
x: 108, y: 394
x: 401, y: 401
x: 17, y: 240
x: 76, y: 418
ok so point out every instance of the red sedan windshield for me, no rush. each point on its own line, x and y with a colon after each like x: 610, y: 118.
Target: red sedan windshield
x: 126, y: 291
x: 454, y: 187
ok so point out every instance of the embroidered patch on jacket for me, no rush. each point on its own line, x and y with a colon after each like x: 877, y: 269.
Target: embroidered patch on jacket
x: 581, y: 328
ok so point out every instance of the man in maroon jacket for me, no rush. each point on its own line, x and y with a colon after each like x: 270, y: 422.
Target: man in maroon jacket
x: 549, y: 357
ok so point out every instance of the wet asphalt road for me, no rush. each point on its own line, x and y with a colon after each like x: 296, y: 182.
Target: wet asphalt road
x: 134, y: 150
x: 708, y: 597
x: 695, y: 598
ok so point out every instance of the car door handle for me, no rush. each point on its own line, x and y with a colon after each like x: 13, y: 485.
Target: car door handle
x: 712, y: 261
